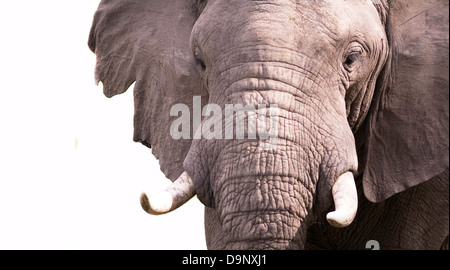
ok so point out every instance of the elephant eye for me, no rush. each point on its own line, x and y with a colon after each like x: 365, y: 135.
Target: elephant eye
x: 352, y: 57
x: 199, y: 59
x: 200, y: 63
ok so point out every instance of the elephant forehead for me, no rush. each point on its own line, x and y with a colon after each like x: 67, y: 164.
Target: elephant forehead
x: 341, y: 18
x: 287, y: 23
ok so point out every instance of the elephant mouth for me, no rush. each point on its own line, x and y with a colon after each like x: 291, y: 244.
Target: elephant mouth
x: 182, y: 190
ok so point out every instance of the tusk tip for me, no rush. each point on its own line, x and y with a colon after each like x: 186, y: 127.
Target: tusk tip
x: 145, y: 203
x: 158, y: 204
x: 339, y: 220
x: 171, y: 198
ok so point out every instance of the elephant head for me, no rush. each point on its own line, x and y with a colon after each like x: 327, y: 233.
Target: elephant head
x: 352, y: 81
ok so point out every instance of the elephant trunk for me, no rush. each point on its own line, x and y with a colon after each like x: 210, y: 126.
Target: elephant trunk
x: 265, y: 212
x: 266, y: 198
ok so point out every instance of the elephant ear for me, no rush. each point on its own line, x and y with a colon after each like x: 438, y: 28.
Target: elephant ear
x: 408, y: 134
x: 148, y: 42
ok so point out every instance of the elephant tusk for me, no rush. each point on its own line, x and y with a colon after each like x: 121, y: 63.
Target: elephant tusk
x: 345, y: 201
x: 177, y: 194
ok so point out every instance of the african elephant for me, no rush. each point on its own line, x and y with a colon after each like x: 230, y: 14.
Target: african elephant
x: 361, y: 93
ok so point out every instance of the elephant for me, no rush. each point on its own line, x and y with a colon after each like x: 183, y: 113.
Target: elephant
x: 357, y: 91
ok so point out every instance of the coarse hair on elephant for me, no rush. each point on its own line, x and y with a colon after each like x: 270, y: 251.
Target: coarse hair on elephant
x: 362, y: 115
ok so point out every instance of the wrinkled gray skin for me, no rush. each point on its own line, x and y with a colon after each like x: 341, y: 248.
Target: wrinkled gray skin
x: 360, y: 87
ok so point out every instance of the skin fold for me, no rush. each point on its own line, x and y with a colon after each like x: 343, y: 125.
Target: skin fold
x: 353, y: 88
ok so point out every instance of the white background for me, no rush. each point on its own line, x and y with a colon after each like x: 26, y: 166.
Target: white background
x: 70, y: 173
